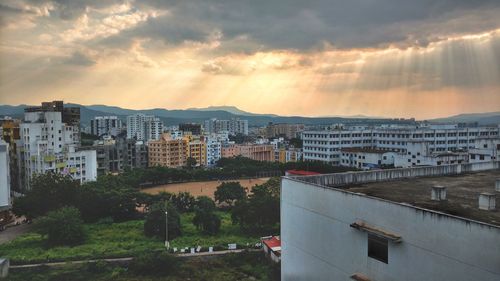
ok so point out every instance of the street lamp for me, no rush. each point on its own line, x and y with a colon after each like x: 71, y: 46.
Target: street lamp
x: 167, y: 244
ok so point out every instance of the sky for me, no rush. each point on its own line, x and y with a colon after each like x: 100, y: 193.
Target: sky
x: 391, y: 58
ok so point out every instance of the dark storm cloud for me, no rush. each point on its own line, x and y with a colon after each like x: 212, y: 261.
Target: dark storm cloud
x: 295, y: 24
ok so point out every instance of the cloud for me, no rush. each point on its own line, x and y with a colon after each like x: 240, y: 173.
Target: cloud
x: 80, y: 59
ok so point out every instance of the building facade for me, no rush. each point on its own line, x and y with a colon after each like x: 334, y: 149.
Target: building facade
x: 105, y: 126
x: 326, y: 145
x: 144, y: 127
x: 234, y: 126
x: 331, y: 230
x: 194, y: 128
x: 47, y: 144
x: 5, y: 203
x: 286, y: 130
x: 168, y: 152
x: 259, y: 152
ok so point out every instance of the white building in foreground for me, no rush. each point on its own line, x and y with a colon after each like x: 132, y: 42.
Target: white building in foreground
x: 4, y: 176
x: 405, y: 229
x: 49, y: 145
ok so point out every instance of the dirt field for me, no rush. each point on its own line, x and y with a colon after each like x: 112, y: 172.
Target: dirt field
x: 206, y: 188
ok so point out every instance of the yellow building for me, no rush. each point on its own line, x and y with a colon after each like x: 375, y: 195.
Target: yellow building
x: 168, y: 152
x: 198, y: 151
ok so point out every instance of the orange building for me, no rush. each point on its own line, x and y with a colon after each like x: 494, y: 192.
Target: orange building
x: 259, y: 152
x: 168, y: 152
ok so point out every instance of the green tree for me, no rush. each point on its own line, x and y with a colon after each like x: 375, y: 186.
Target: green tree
x: 191, y: 162
x: 109, y: 196
x: 205, y: 218
x: 260, y: 212
x: 49, y: 191
x: 62, y: 227
x: 229, y: 192
x: 183, y: 201
x: 154, y: 224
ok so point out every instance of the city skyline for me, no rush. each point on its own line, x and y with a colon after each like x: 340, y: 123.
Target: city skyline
x: 390, y: 59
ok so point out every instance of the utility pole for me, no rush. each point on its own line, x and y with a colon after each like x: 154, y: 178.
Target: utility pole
x: 167, y: 244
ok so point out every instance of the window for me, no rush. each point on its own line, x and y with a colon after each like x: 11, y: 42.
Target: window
x: 378, y: 248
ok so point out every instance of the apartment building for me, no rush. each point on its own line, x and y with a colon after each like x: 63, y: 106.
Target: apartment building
x: 144, y: 127
x: 5, y: 202
x: 106, y: 126
x: 47, y: 144
x: 259, y: 152
x: 10, y: 134
x: 285, y: 155
x: 326, y: 145
x: 413, y: 224
x: 366, y: 158
x: 168, y: 152
x: 233, y: 127
x: 193, y: 128
x: 286, y: 130
x: 197, y: 149
x: 115, y: 155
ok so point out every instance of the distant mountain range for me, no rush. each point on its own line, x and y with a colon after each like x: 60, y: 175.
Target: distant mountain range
x: 198, y: 115
x: 487, y: 118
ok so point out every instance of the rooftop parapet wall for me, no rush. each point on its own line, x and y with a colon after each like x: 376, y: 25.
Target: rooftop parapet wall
x: 351, y: 178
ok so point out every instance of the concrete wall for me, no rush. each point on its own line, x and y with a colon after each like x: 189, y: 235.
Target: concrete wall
x: 342, y: 179
x: 319, y: 244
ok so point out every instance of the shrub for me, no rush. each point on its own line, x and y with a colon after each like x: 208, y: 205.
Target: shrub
x: 155, y: 263
x: 62, y: 227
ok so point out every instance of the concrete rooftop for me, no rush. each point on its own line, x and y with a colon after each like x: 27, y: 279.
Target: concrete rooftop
x: 462, y: 193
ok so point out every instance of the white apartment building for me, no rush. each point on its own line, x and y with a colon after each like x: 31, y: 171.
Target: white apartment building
x: 326, y: 145
x: 424, y: 223
x: 485, y: 150
x: 105, y: 126
x: 144, y: 127
x: 4, y: 176
x: 48, y: 145
x: 366, y: 158
x: 233, y: 127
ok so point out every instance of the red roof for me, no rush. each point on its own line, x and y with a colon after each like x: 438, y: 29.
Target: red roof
x: 272, y: 242
x: 301, y: 173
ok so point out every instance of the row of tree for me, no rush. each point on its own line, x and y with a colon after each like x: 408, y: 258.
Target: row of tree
x: 227, y: 168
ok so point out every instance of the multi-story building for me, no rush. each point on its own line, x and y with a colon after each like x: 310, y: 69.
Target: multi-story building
x: 70, y: 115
x: 193, y: 128
x: 366, y: 158
x: 197, y: 149
x: 326, y: 145
x: 286, y: 130
x: 259, y: 152
x: 105, y: 126
x: 5, y: 203
x: 168, y: 152
x: 115, y: 155
x: 10, y: 134
x: 285, y: 155
x: 413, y: 224
x: 214, y: 151
x: 48, y: 144
x: 234, y: 126
x: 485, y: 150
x: 144, y: 127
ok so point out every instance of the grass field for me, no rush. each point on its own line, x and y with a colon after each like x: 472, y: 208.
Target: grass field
x: 242, y: 266
x: 120, y: 240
